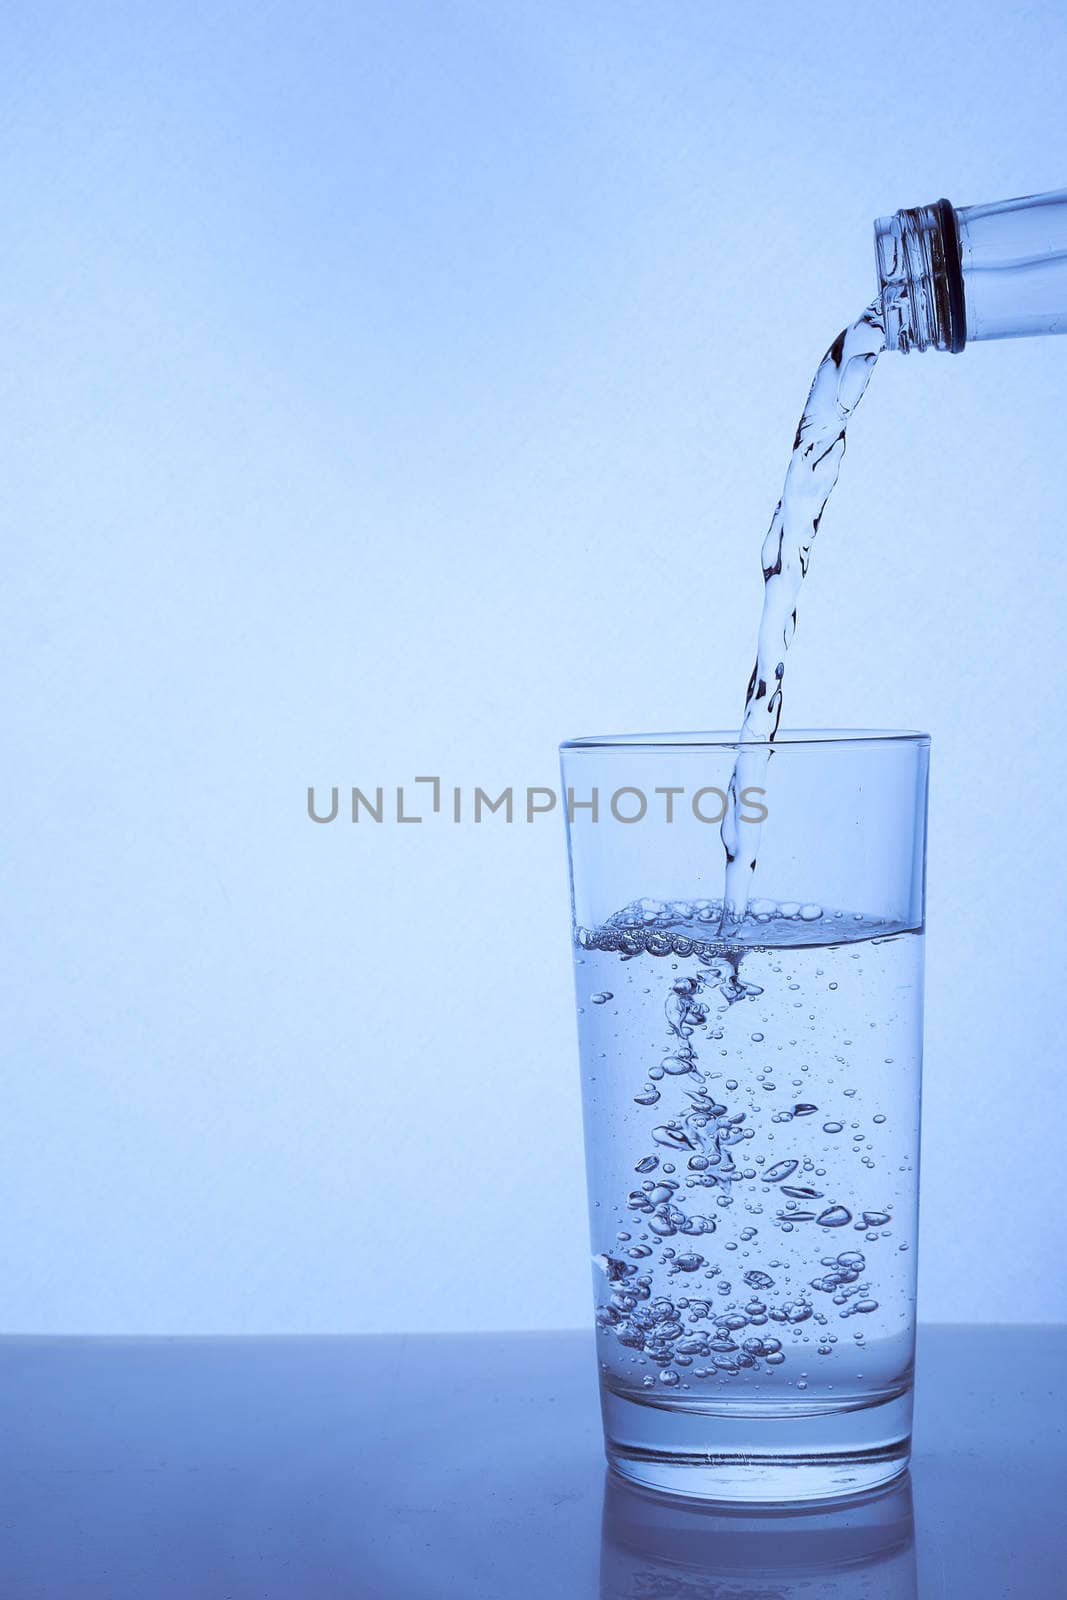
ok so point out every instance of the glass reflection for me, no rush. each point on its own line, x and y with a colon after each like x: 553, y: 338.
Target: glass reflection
x: 655, y: 1548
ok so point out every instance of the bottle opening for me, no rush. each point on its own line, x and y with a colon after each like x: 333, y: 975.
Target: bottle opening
x: 920, y: 278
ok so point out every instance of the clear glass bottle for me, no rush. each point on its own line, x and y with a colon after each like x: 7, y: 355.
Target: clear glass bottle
x: 951, y: 275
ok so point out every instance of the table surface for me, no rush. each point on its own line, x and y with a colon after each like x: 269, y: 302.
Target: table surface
x: 471, y: 1466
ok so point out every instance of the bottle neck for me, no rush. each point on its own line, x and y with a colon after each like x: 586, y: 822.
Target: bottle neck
x: 921, y: 279
x: 948, y: 276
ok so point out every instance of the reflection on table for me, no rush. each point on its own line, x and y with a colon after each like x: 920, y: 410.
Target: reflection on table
x: 654, y: 1548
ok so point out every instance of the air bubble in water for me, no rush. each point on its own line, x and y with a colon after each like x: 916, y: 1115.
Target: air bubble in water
x: 678, y: 1064
x: 602, y: 999
x: 834, y: 1217
x: 674, y: 1138
x: 780, y: 1170
x: 827, y: 1284
x: 613, y: 1269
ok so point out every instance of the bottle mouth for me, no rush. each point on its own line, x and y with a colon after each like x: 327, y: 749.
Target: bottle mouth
x: 920, y: 277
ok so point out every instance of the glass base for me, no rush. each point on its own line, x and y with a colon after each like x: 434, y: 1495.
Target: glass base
x: 759, y: 1455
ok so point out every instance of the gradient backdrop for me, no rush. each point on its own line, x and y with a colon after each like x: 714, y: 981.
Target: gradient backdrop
x: 394, y: 388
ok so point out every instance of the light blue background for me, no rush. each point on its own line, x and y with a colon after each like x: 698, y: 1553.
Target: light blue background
x: 396, y: 388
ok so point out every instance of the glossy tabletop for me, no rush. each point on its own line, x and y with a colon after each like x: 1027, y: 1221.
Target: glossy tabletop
x: 470, y: 1467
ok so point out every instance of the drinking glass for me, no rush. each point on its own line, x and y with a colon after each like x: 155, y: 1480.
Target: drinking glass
x: 751, y: 1084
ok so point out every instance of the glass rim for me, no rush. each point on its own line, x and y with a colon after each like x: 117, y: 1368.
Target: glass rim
x: 790, y: 738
